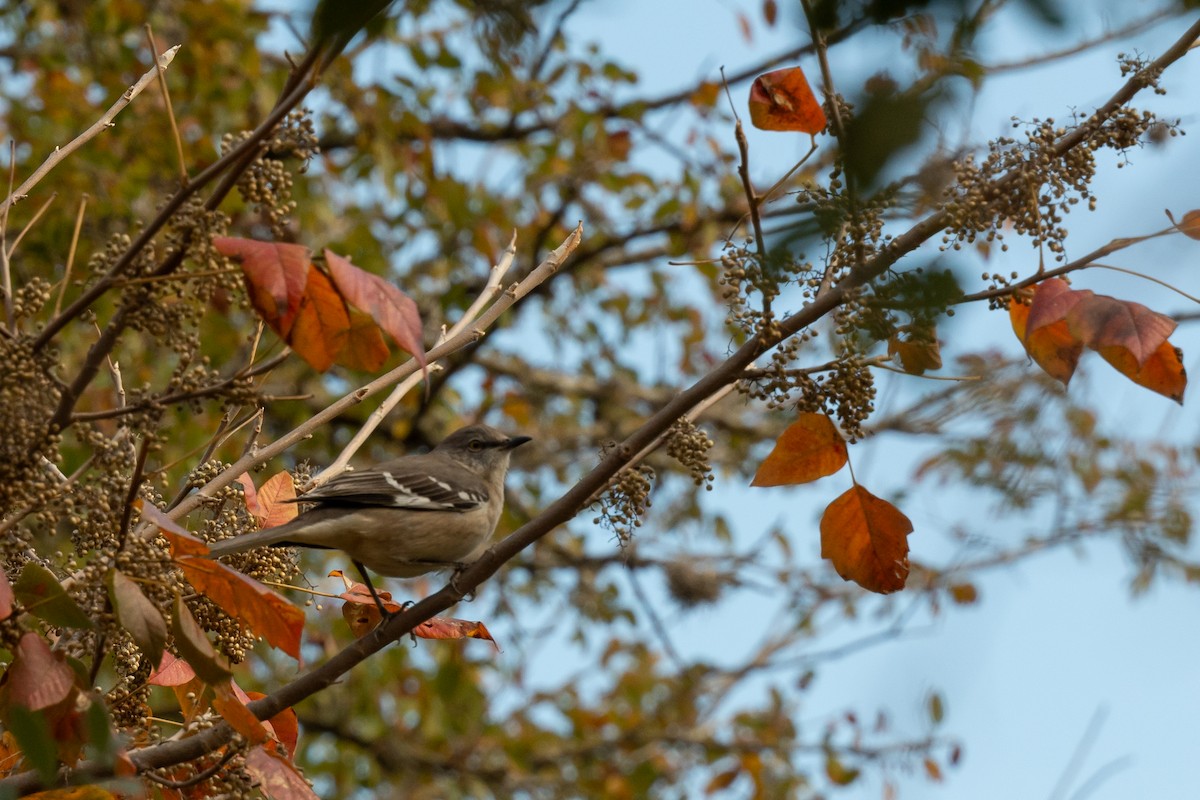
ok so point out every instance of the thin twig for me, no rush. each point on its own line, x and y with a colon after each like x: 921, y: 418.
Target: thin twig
x: 166, y: 95
x: 66, y: 278
x: 29, y: 225
x: 5, y: 268
x: 104, y: 123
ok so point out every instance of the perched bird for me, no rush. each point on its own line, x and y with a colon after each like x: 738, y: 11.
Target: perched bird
x: 407, y: 516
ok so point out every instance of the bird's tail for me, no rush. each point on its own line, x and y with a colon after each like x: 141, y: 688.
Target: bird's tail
x: 248, y: 541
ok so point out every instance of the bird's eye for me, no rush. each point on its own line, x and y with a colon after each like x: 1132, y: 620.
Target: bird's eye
x: 475, y: 446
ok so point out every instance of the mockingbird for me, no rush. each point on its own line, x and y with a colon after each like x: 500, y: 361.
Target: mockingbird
x: 407, y: 516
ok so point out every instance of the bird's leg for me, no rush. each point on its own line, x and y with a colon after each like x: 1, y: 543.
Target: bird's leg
x: 383, y: 612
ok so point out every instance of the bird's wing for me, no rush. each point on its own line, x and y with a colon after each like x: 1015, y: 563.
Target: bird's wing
x: 404, y: 483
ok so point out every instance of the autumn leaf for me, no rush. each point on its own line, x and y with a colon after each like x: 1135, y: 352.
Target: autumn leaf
x: 359, y: 611
x: 180, y: 542
x: 276, y: 775
x: 322, y: 324
x: 234, y: 711
x: 172, y: 671
x: 782, y: 101
x: 866, y: 538
x: 365, y: 348
x: 137, y: 615
x: 451, y: 628
x: 391, y: 308
x: 250, y: 493
x: 1105, y: 323
x: 285, y: 724
x: 6, y: 597
x: 38, y: 678
x: 1189, y: 226
x: 917, y: 353
x: 810, y: 448
x: 1163, y: 371
x: 1045, y: 333
x: 274, y: 500
x: 276, y: 275
x: 44, y: 596
x: 261, y: 609
x: 195, y: 647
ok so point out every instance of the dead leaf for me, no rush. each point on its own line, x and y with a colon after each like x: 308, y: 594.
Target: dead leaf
x: 322, y: 324
x: 274, y: 498
x: 276, y: 775
x: 1163, y: 371
x: 1103, y: 322
x: 866, y: 538
x: 38, y: 678
x: 809, y: 449
x: 782, y: 101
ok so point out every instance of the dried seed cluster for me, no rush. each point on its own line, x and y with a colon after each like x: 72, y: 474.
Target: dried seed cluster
x: 267, y: 182
x: 1031, y: 185
x: 624, y: 504
x: 689, y: 445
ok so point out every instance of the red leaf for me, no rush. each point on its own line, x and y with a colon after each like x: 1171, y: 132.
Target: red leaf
x: 276, y: 776
x: 782, y: 101
x: 395, y: 311
x: 6, y: 597
x: 276, y: 275
x: 259, y: 608
x: 172, y: 671
x: 1043, y: 329
x: 809, y: 449
x: 38, y: 678
x: 251, y: 495
x: 1102, y: 322
x: 867, y: 540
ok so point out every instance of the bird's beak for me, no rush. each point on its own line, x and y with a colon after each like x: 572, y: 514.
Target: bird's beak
x: 515, y: 442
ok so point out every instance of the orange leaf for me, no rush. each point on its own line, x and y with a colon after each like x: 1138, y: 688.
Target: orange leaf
x: 322, y: 323
x: 359, y: 610
x: 1044, y: 331
x: 782, y: 101
x: 809, y: 449
x: 866, y: 538
x: 1162, y: 372
x: 276, y: 776
x: 365, y: 348
x: 395, y: 311
x: 285, y: 724
x: 275, y: 274
x: 1189, y: 226
x: 273, y: 498
x: 180, y: 541
x: 260, y: 609
x: 1102, y: 323
x: 240, y: 718
x: 450, y: 628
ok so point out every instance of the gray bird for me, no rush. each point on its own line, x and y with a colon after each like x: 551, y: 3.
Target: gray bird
x: 407, y: 516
